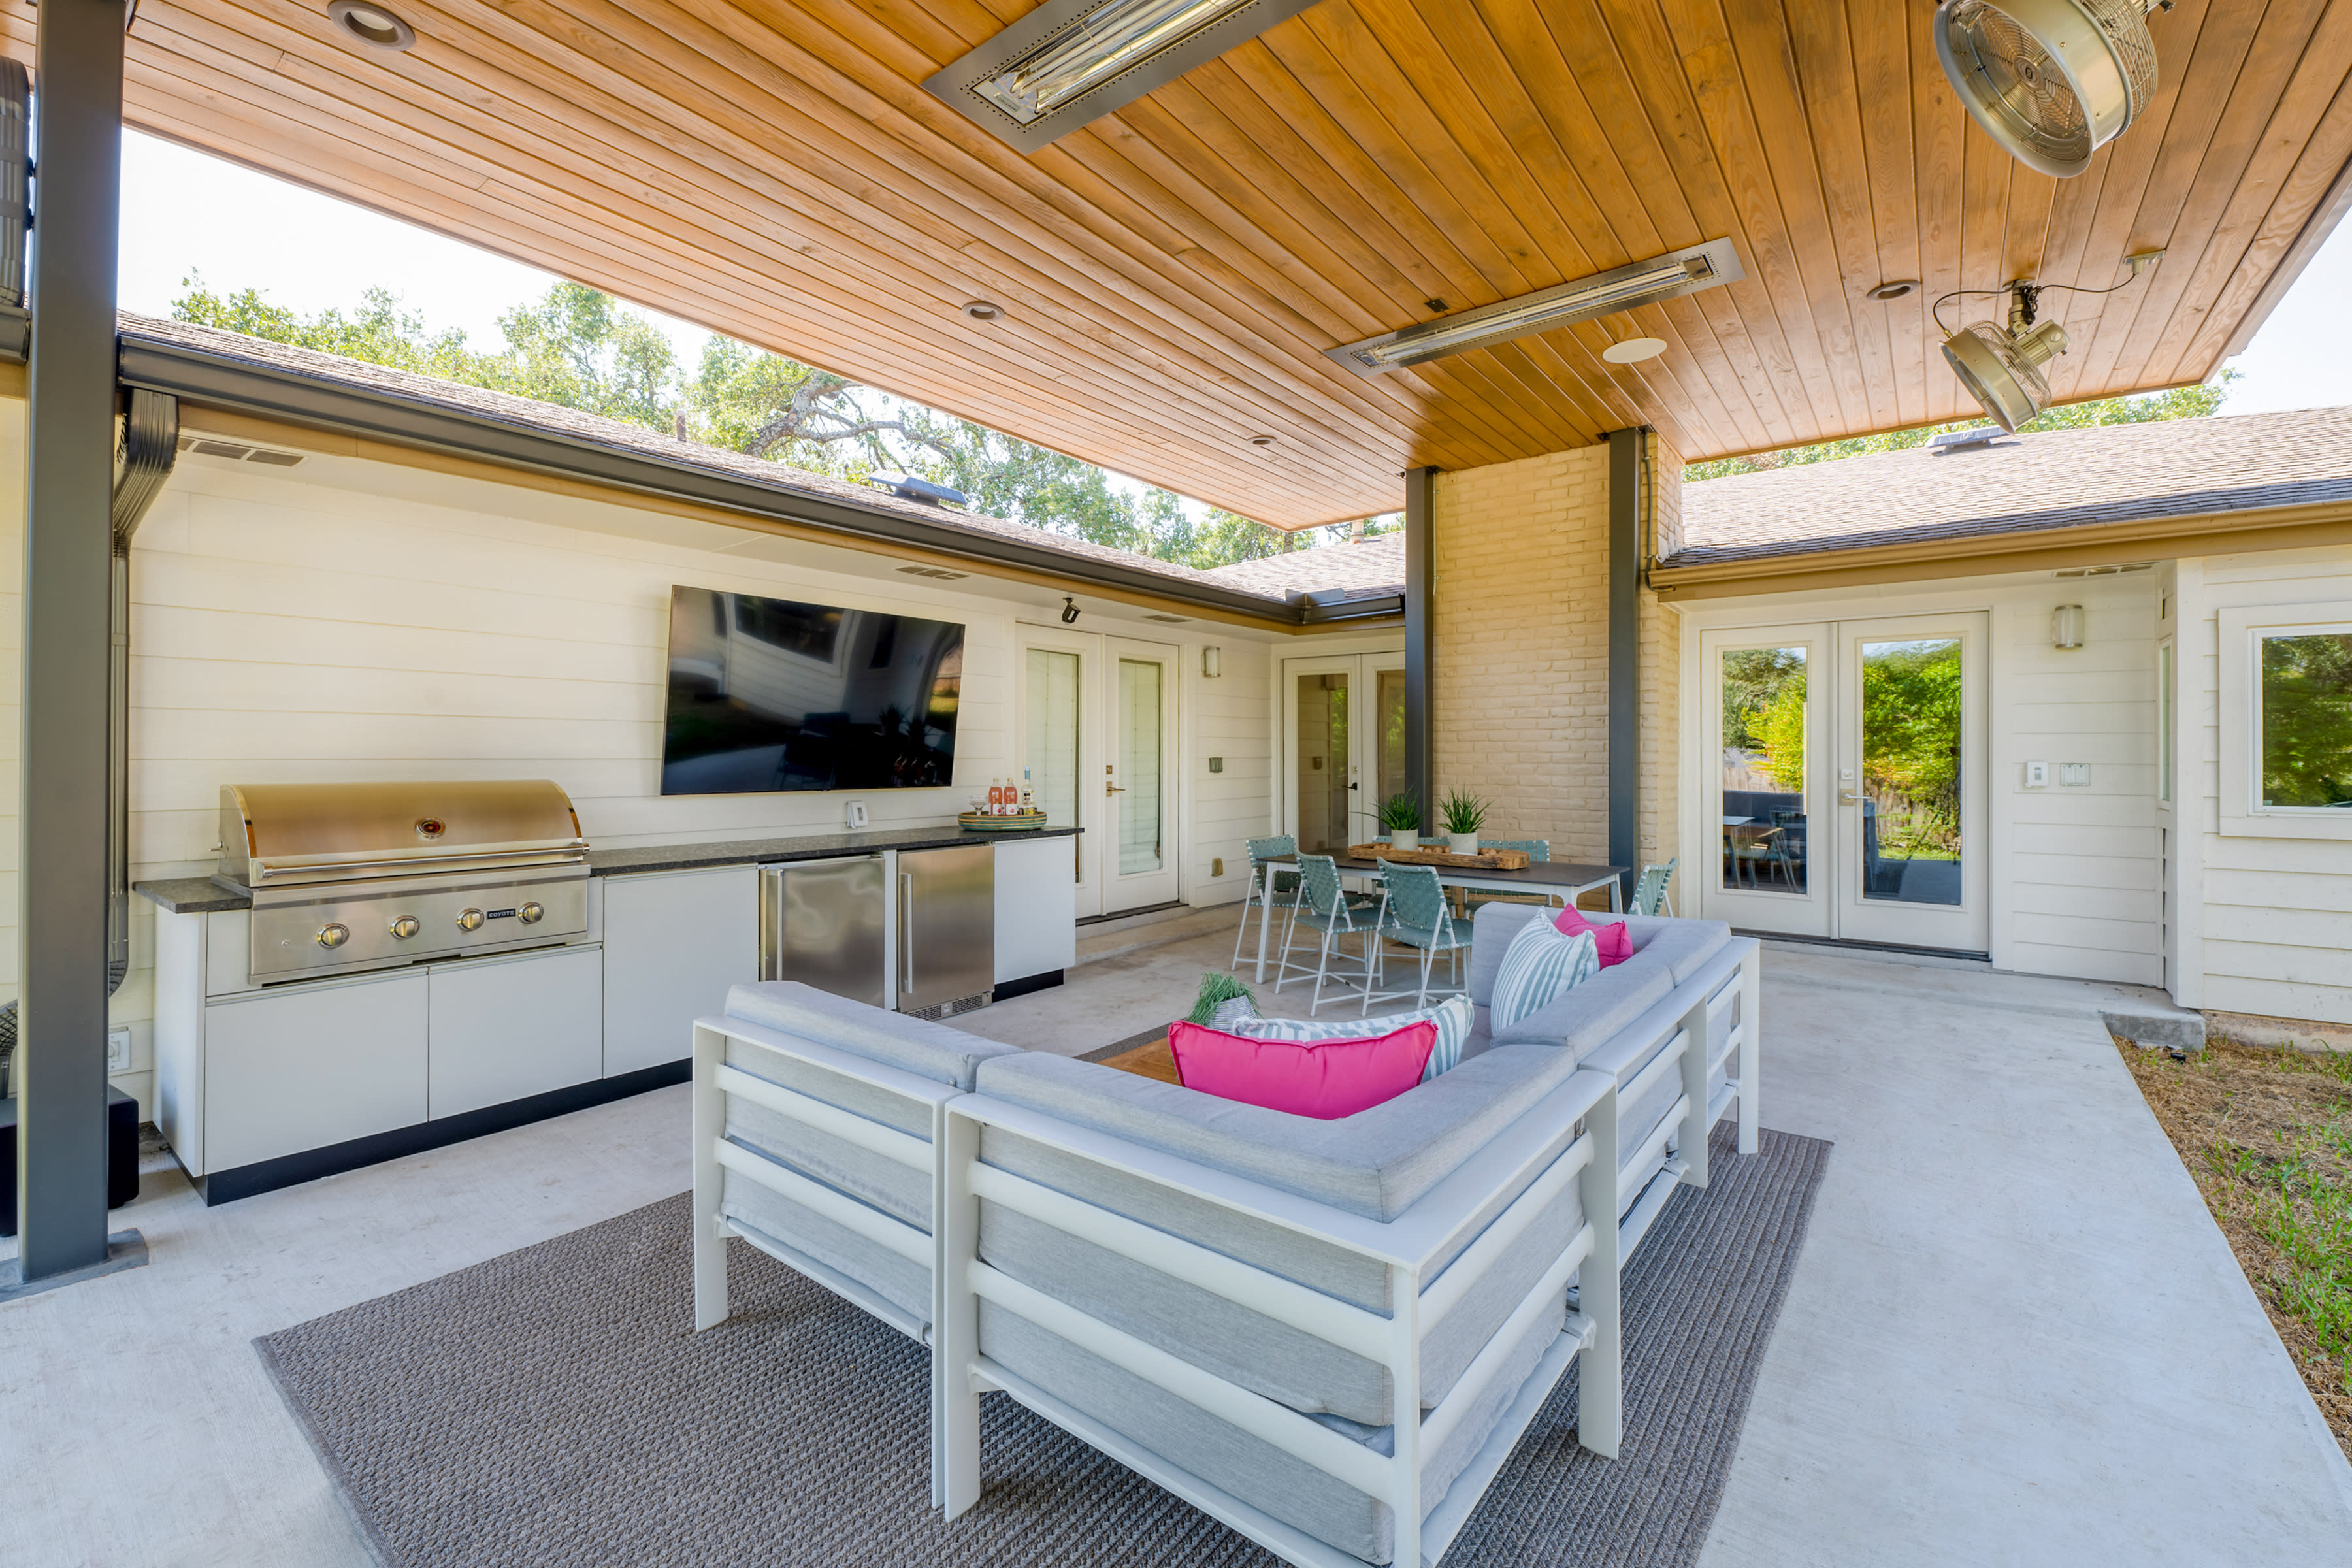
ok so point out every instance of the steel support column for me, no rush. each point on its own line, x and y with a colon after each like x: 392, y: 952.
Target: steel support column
x: 1625, y: 652
x: 1419, y: 582
x: 61, y: 1104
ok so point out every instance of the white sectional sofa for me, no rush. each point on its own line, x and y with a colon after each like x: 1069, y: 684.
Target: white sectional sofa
x: 1327, y: 1334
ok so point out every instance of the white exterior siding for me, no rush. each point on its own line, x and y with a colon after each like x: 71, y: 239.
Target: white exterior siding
x: 2269, y: 918
x: 1230, y: 716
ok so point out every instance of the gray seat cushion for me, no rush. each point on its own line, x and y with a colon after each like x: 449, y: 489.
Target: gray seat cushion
x: 917, y: 1045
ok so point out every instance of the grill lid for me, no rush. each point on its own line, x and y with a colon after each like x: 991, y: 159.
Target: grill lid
x: 278, y: 834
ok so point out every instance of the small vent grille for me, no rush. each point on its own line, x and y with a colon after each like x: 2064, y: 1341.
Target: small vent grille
x: 1169, y: 620
x: 940, y: 1010
x: 235, y: 453
x: 2107, y: 571
x: 939, y: 571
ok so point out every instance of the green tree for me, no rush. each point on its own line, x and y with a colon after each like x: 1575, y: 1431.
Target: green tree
x: 2179, y: 402
x: 2307, y: 719
x: 1911, y: 745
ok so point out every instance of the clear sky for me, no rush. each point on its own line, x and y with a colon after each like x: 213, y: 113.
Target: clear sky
x: 186, y: 213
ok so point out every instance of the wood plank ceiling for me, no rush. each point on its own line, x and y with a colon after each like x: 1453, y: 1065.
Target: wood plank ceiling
x: 1171, y: 274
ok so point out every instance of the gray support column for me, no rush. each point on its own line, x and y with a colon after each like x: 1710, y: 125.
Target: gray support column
x: 1625, y: 652
x: 1419, y: 581
x: 61, y: 1110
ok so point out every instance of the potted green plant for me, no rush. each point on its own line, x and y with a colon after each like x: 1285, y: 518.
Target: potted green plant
x: 1464, y: 816
x: 1400, y: 814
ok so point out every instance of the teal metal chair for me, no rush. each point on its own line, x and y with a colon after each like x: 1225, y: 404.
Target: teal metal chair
x: 1324, y: 906
x: 1268, y: 885
x: 1649, y: 889
x: 1415, y: 913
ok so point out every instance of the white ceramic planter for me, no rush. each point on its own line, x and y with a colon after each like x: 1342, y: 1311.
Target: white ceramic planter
x: 1461, y: 843
x: 1404, y: 837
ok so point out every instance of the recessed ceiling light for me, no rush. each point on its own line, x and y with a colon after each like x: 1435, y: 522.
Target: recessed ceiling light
x: 1261, y: 441
x: 1667, y: 276
x: 1633, y: 351
x: 372, y: 25
x: 1893, y: 289
x: 982, y: 310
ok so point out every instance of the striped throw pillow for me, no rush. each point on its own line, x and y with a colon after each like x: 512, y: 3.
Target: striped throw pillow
x: 1541, y: 964
x: 1454, y: 1016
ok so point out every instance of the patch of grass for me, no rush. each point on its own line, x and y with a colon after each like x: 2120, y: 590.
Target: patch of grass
x: 2267, y: 1135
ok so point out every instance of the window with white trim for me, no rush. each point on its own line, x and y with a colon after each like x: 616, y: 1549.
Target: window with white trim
x: 2303, y: 719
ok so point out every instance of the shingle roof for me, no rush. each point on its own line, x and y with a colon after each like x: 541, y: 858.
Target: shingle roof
x: 2054, y: 479
x: 1373, y: 563
x: 636, y: 440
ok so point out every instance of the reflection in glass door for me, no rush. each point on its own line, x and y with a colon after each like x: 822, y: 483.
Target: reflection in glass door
x: 1767, y: 699
x: 1388, y: 728
x: 1052, y: 753
x: 1339, y: 759
x: 1139, y: 784
x: 1321, y: 754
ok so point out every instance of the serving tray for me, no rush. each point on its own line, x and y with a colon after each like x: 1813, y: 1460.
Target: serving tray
x: 1484, y: 861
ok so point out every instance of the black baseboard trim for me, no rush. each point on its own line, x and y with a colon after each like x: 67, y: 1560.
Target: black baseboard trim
x: 1022, y: 987
x: 292, y: 1170
x: 1856, y: 946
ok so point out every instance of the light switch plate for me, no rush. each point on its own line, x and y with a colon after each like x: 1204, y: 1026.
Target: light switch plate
x: 2037, y: 775
x: 2075, y: 775
x: 118, y: 1049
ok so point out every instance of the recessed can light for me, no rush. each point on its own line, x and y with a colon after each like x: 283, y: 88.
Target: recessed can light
x: 1633, y: 351
x: 1893, y: 289
x: 372, y: 25
x: 1261, y: 441
x: 982, y: 310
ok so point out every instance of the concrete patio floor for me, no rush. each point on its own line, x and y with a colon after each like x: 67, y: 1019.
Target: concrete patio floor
x: 2014, y: 1336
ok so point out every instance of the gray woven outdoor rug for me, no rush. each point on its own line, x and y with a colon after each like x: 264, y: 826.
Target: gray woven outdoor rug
x: 553, y: 1408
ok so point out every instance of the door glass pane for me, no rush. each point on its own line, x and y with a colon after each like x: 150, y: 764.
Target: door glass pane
x: 1321, y: 765
x: 1141, y: 774
x: 2307, y: 720
x: 1763, y: 786
x: 1390, y: 719
x: 1052, y: 747
x: 1911, y: 771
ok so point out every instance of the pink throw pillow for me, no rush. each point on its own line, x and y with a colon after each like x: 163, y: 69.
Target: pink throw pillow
x: 1323, y: 1079
x: 1612, y: 943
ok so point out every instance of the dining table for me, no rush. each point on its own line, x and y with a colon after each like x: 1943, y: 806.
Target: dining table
x: 1567, y: 879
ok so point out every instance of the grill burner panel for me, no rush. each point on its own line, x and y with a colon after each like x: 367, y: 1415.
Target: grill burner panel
x: 347, y: 877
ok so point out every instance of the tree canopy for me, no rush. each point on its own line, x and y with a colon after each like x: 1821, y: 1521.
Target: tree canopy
x: 2179, y: 402
x: 579, y: 348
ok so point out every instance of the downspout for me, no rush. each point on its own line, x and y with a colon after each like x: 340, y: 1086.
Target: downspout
x: 143, y: 461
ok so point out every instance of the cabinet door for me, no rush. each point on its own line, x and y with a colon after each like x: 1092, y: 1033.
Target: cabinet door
x: 1037, y: 908
x: 674, y: 942
x: 289, y: 1070
x: 505, y: 1028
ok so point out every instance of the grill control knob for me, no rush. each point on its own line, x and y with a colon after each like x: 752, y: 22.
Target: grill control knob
x: 469, y: 920
x: 531, y: 913
x: 334, y: 935
x: 406, y: 926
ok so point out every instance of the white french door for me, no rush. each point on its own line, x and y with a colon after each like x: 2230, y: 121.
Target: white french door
x: 1098, y: 746
x: 1343, y: 746
x: 1848, y: 788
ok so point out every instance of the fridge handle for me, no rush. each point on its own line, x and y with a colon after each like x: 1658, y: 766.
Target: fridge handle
x: 906, y: 931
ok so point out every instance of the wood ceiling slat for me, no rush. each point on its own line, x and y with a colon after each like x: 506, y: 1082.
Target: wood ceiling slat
x: 773, y: 170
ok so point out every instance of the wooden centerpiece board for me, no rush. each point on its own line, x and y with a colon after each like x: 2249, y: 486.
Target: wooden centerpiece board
x: 1484, y: 861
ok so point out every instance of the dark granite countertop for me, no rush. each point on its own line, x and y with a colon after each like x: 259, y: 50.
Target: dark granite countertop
x: 199, y: 895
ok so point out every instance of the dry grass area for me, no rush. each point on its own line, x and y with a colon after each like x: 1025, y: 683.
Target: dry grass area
x: 2267, y: 1134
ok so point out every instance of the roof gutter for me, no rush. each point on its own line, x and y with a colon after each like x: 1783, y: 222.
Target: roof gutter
x: 2081, y: 544
x: 270, y: 392
x: 1337, y: 605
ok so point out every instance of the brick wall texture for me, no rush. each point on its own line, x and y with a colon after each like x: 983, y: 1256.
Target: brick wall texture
x: 1520, y: 660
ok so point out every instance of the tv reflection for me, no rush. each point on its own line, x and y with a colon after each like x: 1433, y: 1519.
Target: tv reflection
x: 776, y: 694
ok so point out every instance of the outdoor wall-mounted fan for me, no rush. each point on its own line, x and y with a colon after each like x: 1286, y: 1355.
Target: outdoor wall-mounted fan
x: 2001, y: 367
x: 2051, y: 81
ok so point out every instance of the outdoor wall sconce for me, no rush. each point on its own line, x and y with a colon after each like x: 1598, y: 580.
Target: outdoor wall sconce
x: 1212, y: 662
x: 2066, y: 627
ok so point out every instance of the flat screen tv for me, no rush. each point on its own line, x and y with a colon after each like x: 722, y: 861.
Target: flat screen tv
x: 774, y: 694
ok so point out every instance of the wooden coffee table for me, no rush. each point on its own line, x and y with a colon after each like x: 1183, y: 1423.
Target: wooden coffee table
x: 1152, y: 1059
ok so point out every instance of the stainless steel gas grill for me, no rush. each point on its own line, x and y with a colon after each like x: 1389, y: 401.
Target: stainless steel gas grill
x: 353, y: 877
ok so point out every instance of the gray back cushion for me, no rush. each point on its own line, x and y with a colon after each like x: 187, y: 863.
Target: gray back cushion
x: 1684, y: 944
x: 917, y: 1045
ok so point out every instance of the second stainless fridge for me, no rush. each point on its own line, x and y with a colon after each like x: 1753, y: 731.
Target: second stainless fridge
x: 947, y: 929
x: 825, y: 924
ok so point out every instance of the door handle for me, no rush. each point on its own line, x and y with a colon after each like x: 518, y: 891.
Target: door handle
x: 906, y: 931
x: 1111, y: 788
x: 1848, y: 797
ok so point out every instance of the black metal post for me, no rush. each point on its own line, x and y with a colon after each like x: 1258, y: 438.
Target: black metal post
x: 1625, y: 653
x: 61, y: 1104
x: 1419, y: 582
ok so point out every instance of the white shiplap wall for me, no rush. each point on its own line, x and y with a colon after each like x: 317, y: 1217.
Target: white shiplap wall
x: 355, y: 619
x: 2273, y: 916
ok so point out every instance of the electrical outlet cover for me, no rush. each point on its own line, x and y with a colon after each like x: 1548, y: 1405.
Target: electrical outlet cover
x: 118, y: 1049
x: 2037, y: 775
x: 2075, y: 775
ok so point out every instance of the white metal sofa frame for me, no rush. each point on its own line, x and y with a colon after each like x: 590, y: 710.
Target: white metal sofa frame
x: 1424, y: 1284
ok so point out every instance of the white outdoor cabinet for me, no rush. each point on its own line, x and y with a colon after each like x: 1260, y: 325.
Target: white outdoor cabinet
x: 289, y: 1070
x: 674, y: 942
x: 505, y: 1028
x: 1036, y: 908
